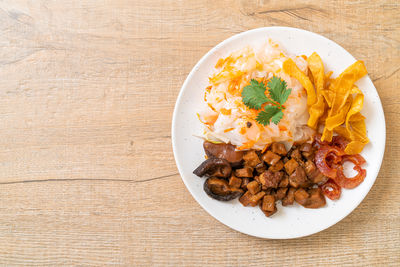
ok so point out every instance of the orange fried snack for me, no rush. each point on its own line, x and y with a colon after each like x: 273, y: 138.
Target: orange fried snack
x: 346, y: 109
x: 336, y: 102
x: 317, y: 109
x: 342, y: 87
x: 291, y: 68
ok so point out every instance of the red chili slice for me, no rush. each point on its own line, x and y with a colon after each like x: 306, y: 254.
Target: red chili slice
x: 325, y: 159
x: 331, y: 189
x: 352, y: 182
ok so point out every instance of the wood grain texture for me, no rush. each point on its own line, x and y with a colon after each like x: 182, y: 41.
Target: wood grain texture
x: 87, y: 92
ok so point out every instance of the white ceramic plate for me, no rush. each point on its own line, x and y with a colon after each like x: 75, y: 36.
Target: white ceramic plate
x: 288, y: 222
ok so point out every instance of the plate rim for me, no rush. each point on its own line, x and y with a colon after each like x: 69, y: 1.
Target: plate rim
x: 175, y: 115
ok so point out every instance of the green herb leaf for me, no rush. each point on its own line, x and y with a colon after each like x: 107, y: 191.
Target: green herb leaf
x: 278, y: 90
x: 253, y: 95
x: 272, y: 113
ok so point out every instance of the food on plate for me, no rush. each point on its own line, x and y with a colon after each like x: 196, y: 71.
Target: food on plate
x: 278, y: 128
x: 228, y: 119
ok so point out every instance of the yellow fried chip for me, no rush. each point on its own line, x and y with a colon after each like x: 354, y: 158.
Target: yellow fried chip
x: 327, y: 135
x: 355, y: 90
x: 342, y: 87
x: 357, y: 117
x: 354, y: 147
x: 355, y: 124
x: 356, y: 107
x: 359, y: 131
x: 328, y: 96
x: 358, y: 137
x: 316, y: 111
x: 317, y: 69
x: 338, y: 119
x: 335, y: 102
x: 340, y: 130
x: 292, y: 70
x: 323, y: 117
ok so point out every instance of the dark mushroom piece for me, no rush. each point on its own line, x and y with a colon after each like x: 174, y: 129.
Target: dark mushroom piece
x: 219, y: 189
x: 224, y: 151
x: 214, y: 167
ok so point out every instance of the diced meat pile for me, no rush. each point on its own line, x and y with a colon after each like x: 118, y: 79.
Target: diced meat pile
x: 263, y: 178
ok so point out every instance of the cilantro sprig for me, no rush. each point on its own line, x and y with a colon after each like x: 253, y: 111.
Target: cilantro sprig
x: 254, y: 97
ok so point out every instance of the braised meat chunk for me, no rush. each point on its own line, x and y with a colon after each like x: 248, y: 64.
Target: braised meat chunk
x: 301, y: 196
x: 251, y: 158
x: 313, y: 174
x: 312, y: 199
x: 245, y: 182
x: 290, y: 166
x: 295, y: 153
x: 235, y: 182
x: 289, y: 198
x: 277, y: 167
x: 264, y: 177
x: 281, y: 193
x: 316, y: 200
x: 260, y: 168
x: 270, y: 179
x: 285, y: 181
x: 307, y: 150
x: 249, y: 199
x: 254, y: 187
x: 299, y: 178
x: 279, y: 149
x: 271, y: 158
x: 268, y: 205
x: 244, y: 172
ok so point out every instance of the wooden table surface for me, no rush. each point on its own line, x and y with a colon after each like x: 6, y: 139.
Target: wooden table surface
x: 88, y: 175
